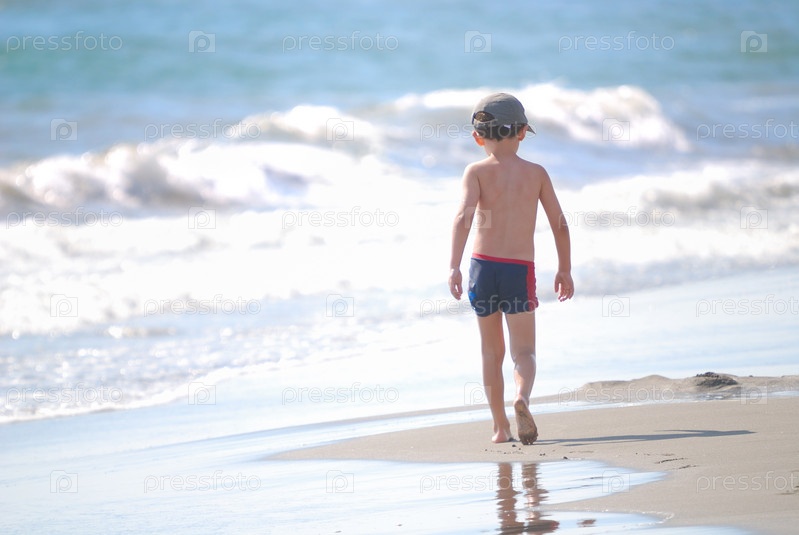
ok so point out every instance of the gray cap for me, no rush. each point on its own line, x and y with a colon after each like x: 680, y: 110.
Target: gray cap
x: 503, y: 109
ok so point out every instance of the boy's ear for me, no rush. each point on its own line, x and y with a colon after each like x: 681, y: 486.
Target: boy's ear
x: 522, y: 133
x: 480, y: 141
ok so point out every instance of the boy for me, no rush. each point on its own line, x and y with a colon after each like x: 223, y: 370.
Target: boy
x: 504, y: 190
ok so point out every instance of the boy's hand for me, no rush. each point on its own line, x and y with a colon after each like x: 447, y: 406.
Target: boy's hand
x: 455, y: 283
x: 564, y: 286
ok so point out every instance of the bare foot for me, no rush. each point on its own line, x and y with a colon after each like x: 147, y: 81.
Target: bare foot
x: 502, y: 435
x: 525, y: 425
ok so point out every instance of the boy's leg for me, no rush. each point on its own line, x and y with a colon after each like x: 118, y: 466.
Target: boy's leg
x: 521, y: 329
x: 492, y: 341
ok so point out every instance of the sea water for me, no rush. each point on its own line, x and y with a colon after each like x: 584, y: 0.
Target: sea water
x: 248, y: 204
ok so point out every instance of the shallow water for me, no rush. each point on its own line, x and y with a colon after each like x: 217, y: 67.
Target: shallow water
x: 507, y: 497
x: 98, y: 473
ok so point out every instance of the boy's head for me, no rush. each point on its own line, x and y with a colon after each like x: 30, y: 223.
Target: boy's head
x: 499, y: 116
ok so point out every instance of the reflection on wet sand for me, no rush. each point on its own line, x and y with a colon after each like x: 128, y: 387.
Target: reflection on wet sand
x: 511, y: 490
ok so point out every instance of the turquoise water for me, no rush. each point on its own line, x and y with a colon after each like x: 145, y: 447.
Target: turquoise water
x: 114, y: 68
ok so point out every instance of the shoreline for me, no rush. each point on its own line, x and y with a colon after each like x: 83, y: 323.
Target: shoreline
x: 626, y: 466
x: 726, y: 462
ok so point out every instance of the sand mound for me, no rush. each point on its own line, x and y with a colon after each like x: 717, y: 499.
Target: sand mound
x: 708, y: 385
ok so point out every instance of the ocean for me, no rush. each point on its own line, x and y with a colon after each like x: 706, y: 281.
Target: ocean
x: 204, y: 198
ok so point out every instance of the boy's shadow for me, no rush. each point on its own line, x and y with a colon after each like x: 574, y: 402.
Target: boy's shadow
x: 666, y: 434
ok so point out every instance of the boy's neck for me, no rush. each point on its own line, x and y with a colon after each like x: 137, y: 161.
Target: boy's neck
x: 502, y: 149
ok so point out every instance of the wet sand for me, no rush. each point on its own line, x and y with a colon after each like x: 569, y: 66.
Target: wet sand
x: 727, y: 462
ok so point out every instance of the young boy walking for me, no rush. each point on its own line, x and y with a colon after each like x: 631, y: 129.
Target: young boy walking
x: 503, y: 192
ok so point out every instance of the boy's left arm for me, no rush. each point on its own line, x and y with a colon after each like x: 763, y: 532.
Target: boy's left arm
x: 564, y: 285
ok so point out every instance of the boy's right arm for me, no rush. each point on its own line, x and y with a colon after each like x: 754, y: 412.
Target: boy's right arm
x: 461, y: 227
x: 564, y: 285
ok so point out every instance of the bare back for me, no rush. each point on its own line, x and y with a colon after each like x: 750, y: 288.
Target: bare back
x: 509, y: 192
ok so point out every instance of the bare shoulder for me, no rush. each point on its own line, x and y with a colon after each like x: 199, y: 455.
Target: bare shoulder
x: 535, y: 171
x: 533, y: 167
x: 476, y: 167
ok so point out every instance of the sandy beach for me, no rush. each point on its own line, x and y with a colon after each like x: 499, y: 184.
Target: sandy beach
x: 724, y: 462
x: 651, y: 455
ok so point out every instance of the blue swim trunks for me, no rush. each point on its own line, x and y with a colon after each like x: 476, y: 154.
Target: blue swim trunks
x: 504, y: 284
